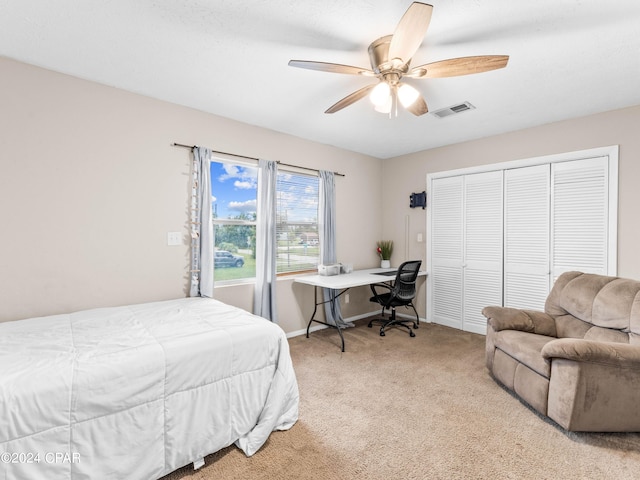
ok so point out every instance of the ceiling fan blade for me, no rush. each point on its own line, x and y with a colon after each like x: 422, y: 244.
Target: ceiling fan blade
x: 331, y: 67
x: 419, y: 107
x: 410, y: 31
x: 454, y: 67
x: 349, y: 99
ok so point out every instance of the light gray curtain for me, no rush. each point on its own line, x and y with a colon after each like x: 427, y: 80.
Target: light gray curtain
x: 327, y: 234
x: 202, y: 225
x: 264, y: 300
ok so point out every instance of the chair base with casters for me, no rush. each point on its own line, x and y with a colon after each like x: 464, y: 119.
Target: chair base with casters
x: 393, y: 321
x: 400, y: 294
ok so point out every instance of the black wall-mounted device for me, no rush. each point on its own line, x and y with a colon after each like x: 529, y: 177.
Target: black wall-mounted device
x: 418, y: 200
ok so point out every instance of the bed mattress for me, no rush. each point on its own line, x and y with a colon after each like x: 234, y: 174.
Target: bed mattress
x: 136, y: 392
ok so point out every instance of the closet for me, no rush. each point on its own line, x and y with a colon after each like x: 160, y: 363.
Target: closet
x: 501, y: 234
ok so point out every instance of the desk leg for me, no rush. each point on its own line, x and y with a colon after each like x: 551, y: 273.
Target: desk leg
x: 315, y: 309
x: 333, y: 299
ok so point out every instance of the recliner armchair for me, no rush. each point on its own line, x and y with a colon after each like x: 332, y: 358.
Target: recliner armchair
x: 578, y: 362
x: 400, y: 294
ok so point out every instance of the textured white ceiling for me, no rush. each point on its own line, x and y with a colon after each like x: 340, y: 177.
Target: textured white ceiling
x: 568, y: 58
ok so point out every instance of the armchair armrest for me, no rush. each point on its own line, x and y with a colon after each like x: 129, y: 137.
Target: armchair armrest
x: 607, y: 353
x: 533, y: 321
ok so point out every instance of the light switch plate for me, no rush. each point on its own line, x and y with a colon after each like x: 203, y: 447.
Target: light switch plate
x: 174, y: 238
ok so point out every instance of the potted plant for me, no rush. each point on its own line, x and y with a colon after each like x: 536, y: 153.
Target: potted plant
x: 385, y: 249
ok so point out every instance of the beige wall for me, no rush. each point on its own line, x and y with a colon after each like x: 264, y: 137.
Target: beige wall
x: 90, y: 185
x: 408, y: 174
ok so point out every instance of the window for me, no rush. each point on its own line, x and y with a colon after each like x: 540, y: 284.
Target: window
x: 234, y: 199
x: 297, y: 222
x: 233, y: 192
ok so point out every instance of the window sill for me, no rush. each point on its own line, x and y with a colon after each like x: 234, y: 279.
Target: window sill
x: 231, y: 283
x: 251, y: 281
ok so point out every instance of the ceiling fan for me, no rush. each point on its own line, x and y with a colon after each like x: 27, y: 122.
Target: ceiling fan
x: 391, y: 57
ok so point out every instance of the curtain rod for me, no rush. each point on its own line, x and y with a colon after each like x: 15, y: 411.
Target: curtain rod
x: 253, y: 158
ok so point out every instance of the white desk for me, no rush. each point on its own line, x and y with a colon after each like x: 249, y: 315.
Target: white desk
x: 356, y: 278
x: 342, y: 283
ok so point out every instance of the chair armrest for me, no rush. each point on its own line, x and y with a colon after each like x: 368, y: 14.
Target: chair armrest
x: 607, y: 353
x: 384, y: 285
x: 533, y: 321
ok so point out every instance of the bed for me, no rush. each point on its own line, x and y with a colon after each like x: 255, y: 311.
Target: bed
x: 139, y: 391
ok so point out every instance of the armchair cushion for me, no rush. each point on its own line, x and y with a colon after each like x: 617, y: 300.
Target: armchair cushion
x: 525, y: 348
x: 599, y: 334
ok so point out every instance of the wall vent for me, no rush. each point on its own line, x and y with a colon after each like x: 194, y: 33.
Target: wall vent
x: 453, y: 109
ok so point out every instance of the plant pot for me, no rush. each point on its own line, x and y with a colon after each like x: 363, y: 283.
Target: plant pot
x: 385, y: 263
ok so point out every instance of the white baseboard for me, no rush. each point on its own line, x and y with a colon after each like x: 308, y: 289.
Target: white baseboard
x: 479, y: 329
x: 411, y: 317
x: 317, y: 327
x: 297, y: 333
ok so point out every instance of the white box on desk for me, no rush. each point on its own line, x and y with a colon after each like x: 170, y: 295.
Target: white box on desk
x: 329, y: 270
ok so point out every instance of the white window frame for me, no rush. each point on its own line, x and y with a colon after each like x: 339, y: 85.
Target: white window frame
x: 222, y: 221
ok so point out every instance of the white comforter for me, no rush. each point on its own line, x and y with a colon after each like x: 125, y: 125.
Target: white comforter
x: 136, y: 392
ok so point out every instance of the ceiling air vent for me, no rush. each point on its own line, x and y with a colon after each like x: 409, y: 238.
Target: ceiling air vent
x: 453, y: 109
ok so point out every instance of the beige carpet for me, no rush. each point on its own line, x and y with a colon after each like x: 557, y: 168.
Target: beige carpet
x: 396, y: 407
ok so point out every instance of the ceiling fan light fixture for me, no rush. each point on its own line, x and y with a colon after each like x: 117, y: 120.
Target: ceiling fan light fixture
x: 385, y: 107
x: 391, y: 57
x: 380, y: 94
x: 407, y: 95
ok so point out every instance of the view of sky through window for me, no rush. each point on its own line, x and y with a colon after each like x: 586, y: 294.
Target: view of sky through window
x: 233, y: 189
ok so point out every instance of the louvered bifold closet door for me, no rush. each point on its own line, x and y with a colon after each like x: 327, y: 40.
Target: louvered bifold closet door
x: 445, y: 305
x: 580, y: 216
x: 482, y: 262
x: 527, y: 201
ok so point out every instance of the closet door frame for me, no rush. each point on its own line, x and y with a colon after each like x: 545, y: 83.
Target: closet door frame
x: 611, y: 152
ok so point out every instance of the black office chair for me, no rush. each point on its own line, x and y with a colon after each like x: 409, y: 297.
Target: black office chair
x: 400, y: 294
